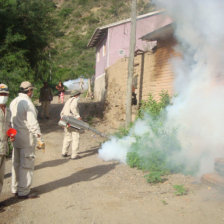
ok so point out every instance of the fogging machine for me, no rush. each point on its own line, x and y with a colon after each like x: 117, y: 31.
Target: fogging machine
x: 78, y: 125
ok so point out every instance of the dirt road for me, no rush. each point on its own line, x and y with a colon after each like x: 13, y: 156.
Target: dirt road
x: 91, y: 191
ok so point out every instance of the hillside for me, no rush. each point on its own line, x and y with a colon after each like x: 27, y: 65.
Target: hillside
x: 76, y: 21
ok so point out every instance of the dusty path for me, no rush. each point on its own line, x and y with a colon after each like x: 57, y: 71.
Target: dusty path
x: 91, y: 191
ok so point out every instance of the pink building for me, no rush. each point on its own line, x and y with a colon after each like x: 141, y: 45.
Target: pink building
x: 112, y: 43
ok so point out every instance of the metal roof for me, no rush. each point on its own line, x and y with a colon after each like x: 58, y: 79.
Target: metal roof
x: 159, y: 34
x: 100, y: 32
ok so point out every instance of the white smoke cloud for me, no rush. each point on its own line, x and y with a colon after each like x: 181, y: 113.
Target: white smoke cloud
x: 116, y: 149
x: 198, y: 109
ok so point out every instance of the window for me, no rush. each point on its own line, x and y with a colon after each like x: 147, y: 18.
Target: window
x: 104, y: 50
x: 98, y: 56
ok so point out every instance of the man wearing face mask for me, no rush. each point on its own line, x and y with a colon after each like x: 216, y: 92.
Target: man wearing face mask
x: 4, y: 126
x: 24, y: 120
x: 70, y: 136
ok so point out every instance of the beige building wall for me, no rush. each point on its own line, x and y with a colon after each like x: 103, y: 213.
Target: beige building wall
x: 152, y: 74
x: 116, y: 81
x: 157, y: 72
x: 99, y: 88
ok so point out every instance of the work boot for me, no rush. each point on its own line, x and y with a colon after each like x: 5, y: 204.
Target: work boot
x: 77, y: 157
x: 64, y: 155
x: 29, y: 196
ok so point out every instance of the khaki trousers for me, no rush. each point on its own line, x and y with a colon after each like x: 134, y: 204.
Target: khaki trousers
x: 2, y: 170
x: 22, y: 170
x: 70, y: 137
x: 45, y: 105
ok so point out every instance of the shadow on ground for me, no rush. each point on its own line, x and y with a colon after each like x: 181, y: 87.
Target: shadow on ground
x: 87, y: 174
x: 57, y: 162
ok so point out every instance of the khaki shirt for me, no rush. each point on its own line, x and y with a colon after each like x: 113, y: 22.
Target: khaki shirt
x: 24, y: 120
x: 71, y: 108
x: 4, y: 126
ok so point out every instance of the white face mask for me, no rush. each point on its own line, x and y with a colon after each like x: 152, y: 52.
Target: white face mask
x: 78, y: 98
x: 3, y: 99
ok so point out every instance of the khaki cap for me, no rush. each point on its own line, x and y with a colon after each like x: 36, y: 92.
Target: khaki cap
x: 75, y: 93
x: 4, y: 88
x: 26, y: 85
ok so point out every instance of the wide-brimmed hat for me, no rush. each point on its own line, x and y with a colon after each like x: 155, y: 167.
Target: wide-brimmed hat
x: 75, y: 93
x: 26, y: 85
x: 4, y: 88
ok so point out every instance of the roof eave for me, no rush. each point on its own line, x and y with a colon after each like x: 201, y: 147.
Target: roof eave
x: 93, y: 40
x: 159, y: 34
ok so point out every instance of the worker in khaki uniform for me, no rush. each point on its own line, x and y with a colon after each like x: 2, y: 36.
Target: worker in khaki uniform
x: 70, y: 136
x: 4, y: 126
x: 24, y: 120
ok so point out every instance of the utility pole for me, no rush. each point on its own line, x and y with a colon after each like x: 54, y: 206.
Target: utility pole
x: 131, y: 63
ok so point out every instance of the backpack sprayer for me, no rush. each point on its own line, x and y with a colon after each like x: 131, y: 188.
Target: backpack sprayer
x: 78, y: 125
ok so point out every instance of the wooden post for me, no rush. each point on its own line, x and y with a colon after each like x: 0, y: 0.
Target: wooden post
x: 131, y: 63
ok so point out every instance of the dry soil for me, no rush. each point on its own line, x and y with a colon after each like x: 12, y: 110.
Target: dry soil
x: 91, y: 191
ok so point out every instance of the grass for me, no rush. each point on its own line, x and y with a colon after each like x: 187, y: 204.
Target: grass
x: 180, y: 190
x: 155, y: 177
x: 164, y: 202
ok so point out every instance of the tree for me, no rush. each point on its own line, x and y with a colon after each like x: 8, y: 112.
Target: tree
x: 26, y: 29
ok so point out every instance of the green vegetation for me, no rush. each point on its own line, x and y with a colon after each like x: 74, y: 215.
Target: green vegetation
x: 156, y: 149
x: 47, y: 40
x: 89, y: 120
x: 26, y: 30
x: 123, y: 131
x: 152, y: 107
x: 155, y: 177
x: 77, y: 20
x: 164, y: 202
x: 180, y: 190
x: 10, y: 148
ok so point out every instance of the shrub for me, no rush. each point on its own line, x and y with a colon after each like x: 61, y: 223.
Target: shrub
x: 152, y: 107
x: 155, y: 149
x: 134, y: 160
